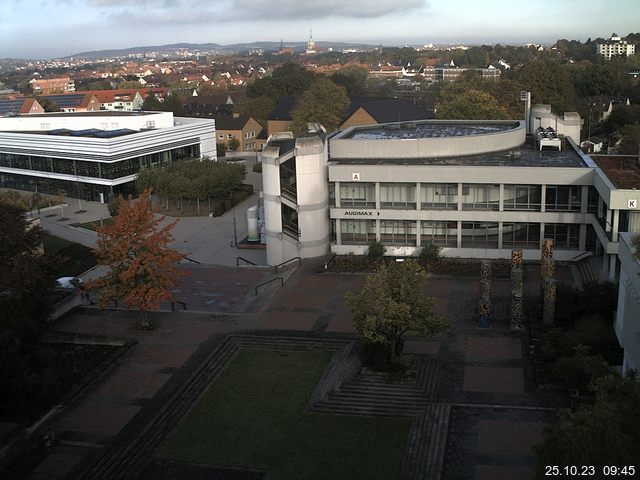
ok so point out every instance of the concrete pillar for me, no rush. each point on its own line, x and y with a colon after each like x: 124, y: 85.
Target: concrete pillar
x: 459, y: 234
x: 501, y: 200
x: 418, y: 236
x: 582, y: 239
x: 459, y: 201
x: 615, y: 225
x: 500, y: 235
x: 377, y: 190
x: 418, y: 197
x: 607, y: 227
x: 584, y: 198
x: 543, y: 199
x: 337, y: 193
x: 338, y: 231
x: 612, y: 267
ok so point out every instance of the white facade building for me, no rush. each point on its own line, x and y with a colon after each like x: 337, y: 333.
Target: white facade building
x: 478, y: 189
x: 615, y: 46
x: 95, y: 155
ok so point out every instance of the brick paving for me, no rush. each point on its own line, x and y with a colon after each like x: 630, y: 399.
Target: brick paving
x: 476, y: 368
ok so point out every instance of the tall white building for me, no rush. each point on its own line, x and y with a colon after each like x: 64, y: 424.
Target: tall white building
x: 616, y: 46
x: 95, y: 155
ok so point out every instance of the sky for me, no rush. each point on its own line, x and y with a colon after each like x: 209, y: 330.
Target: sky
x: 56, y: 28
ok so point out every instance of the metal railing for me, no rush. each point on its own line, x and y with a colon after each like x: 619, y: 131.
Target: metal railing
x: 275, y: 269
x: 581, y: 256
x: 191, y: 260
x: 249, y: 262
x: 268, y: 282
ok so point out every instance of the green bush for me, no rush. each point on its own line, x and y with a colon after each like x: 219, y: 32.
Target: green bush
x: 114, y: 205
x: 429, y: 256
x: 375, y: 253
x: 257, y: 167
x: 579, y: 370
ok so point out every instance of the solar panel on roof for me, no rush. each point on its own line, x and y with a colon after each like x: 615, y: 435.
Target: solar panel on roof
x: 70, y: 100
x: 59, y: 131
x: 87, y: 132
x: 10, y: 106
x: 114, y: 133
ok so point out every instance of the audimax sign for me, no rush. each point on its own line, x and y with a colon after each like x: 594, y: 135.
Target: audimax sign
x: 361, y: 213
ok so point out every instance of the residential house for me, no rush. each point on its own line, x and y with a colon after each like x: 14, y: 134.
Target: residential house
x: 615, y: 46
x: 47, y: 86
x: 74, y: 102
x: 20, y: 106
x: 118, y: 100
x: 208, y: 105
x: 245, y: 129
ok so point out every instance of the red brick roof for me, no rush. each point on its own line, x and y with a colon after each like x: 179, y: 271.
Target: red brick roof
x: 622, y: 170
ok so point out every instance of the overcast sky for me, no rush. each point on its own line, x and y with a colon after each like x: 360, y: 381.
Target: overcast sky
x: 56, y: 28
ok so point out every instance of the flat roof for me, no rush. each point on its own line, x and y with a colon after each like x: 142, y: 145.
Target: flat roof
x: 101, y: 113
x: 433, y: 129
x: 622, y: 170
x: 527, y: 155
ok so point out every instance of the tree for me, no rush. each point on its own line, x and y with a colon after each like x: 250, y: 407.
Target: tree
x: 324, y: 102
x: 473, y: 105
x: 142, y: 268
x: 600, y: 434
x: 353, y: 79
x: 548, y: 83
x: 26, y: 283
x: 256, y: 107
x: 630, y: 139
x: 151, y: 103
x: 391, y: 304
x: 289, y: 79
x: 233, y: 144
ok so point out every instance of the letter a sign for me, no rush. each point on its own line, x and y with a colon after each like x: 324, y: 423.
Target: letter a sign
x: 632, y: 203
x: 355, y: 177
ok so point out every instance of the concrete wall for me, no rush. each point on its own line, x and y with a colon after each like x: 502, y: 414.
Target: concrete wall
x: 568, y: 125
x: 627, y: 320
x: 78, y: 121
x: 344, y: 147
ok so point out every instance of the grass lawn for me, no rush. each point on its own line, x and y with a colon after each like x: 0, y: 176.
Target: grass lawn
x: 253, y: 416
x: 72, y: 258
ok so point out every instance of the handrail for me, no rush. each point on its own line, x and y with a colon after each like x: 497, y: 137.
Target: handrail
x: 581, y: 256
x: 275, y: 269
x: 267, y: 282
x: 244, y: 260
x: 191, y: 260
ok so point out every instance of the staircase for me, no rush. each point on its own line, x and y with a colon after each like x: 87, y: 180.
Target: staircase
x: 588, y: 270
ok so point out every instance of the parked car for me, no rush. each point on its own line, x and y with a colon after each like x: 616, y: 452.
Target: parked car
x: 69, y: 282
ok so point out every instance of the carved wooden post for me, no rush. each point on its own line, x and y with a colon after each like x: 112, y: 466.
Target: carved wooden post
x: 517, y: 292
x: 485, y: 294
x: 549, y: 302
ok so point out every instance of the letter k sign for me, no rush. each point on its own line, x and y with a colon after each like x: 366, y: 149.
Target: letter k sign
x: 355, y: 177
x: 632, y: 204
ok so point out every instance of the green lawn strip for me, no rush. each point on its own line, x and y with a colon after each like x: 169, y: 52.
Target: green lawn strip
x: 72, y: 259
x: 253, y: 416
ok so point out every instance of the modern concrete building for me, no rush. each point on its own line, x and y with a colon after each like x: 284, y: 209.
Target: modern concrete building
x: 478, y: 189
x: 95, y: 155
x: 627, y: 320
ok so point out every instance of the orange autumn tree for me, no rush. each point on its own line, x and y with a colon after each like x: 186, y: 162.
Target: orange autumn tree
x: 143, y: 269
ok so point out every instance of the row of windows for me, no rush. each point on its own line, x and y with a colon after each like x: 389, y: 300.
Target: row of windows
x: 445, y: 233
x: 84, y: 168
x: 445, y: 196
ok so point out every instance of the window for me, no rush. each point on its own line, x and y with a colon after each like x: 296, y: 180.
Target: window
x: 563, y: 198
x: 439, y: 196
x: 481, y: 197
x: 398, y: 232
x: 565, y: 235
x: 444, y: 234
x: 332, y: 194
x: 358, y: 231
x: 522, y: 197
x: 398, y: 195
x: 355, y: 194
x: 479, y: 235
x: 521, y: 235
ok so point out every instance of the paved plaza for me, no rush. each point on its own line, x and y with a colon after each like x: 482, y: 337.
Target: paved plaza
x: 484, y: 377
x: 478, y: 384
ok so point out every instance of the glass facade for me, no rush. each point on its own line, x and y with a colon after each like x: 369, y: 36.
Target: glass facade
x: 563, y: 198
x: 356, y: 194
x: 398, y: 195
x: 444, y: 234
x: 84, y: 168
x: 439, y: 196
x: 358, y: 232
x: 480, y: 197
x: 480, y: 235
x: 398, y: 232
x: 565, y: 235
x: 522, y: 197
x: 521, y: 235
